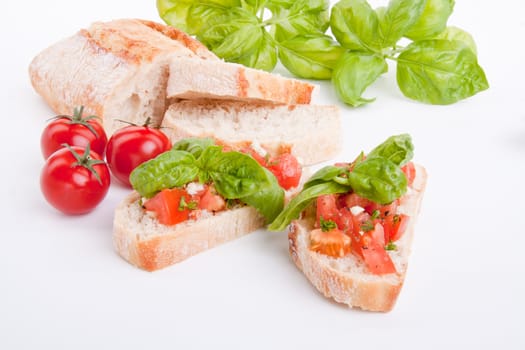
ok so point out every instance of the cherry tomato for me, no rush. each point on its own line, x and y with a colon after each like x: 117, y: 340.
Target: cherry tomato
x: 74, y: 130
x: 131, y: 146
x: 74, y: 180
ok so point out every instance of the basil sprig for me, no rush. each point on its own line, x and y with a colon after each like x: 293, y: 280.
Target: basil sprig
x: 438, y: 66
x: 378, y: 177
x: 235, y: 175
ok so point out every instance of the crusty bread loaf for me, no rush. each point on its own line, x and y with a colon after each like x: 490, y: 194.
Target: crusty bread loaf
x: 313, y: 133
x: 120, y: 70
x: 142, y: 241
x: 346, y: 279
x: 116, y: 69
x: 190, y: 79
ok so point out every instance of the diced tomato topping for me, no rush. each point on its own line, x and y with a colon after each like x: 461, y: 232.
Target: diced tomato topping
x: 286, y: 169
x: 333, y: 243
x: 170, y: 206
x: 211, y: 201
x: 326, y: 208
x: 410, y: 172
x: 395, y: 225
x: 374, y: 254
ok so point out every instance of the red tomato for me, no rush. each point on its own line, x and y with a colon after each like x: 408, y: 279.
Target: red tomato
x: 332, y: 243
x: 286, y: 169
x: 211, y: 201
x: 326, y: 208
x: 131, y: 146
x: 74, y: 180
x: 410, y: 172
x: 374, y: 254
x: 395, y: 225
x: 74, y: 130
x: 170, y: 205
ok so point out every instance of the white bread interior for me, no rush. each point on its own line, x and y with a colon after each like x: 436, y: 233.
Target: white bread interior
x: 144, y: 242
x: 346, y: 280
x: 274, y: 127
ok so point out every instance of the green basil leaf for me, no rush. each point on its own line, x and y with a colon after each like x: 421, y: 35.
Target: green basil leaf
x: 325, y: 174
x: 169, y: 169
x: 235, y: 175
x: 254, y: 6
x: 310, y: 57
x: 262, y: 57
x: 397, y: 18
x: 397, y: 149
x: 354, y: 73
x: 455, y: 33
x: 268, y: 200
x: 300, y: 202
x: 175, y: 13
x: 193, y: 145
x: 355, y: 25
x: 439, y: 72
x: 303, y: 17
x: 378, y: 179
x: 432, y: 21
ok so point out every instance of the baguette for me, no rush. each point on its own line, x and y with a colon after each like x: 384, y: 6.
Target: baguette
x: 121, y: 70
x: 142, y: 241
x: 274, y: 127
x: 346, y: 279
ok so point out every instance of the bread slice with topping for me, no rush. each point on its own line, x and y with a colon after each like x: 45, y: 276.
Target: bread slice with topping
x: 312, y: 133
x: 346, y: 279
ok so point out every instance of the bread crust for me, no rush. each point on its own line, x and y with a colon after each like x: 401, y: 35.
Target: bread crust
x: 145, y: 243
x: 355, y: 287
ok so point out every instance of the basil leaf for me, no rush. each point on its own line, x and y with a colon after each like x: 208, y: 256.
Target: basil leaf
x: 310, y: 57
x: 439, y: 72
x: 254, y: 6
x: 262, y: 57
x: 397, y: 18
x: 167, y: 170
x: 397, y: 149
x: 300, y: 202
x: 303, y: 17
x: 378, y: 179
x: 325, y: 174
x: 234, y: 174
x: 355, y: 25
x: 455, y: 33
x: 432, y: 21
x: 354, y: 73
x: 233, y: 35
x: 175, y: 13
x: 194, y: 145
x: 268, y: 200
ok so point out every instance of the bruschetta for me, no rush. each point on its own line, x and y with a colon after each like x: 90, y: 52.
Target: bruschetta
x: 350, y: 228
x: 197, y: 196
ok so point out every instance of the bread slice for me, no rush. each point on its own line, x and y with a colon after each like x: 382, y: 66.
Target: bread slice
x: 346, y: 279
x: 313, y: 133
x: 120, y: 70
x: 190, y: 79
x: 117, y: 70
x: 142, y: 241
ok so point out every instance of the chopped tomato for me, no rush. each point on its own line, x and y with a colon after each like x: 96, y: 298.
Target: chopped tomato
x: 326, y: 208
x: 351, y: 200
x: 286, y: 169
x: 374, y: 254
x: 211, y: 201
x: 410, y: 172
x: 333, y: 243
x: 395, y: 225
x: 170, y: 206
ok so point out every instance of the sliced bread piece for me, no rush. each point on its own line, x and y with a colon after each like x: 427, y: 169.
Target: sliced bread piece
x: 312, y: 133
x: 190, y: 79
x: 117, y: 70
x: 346, y: 279
x: 144, y: 242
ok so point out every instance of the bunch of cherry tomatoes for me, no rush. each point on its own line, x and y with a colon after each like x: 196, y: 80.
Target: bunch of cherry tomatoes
x: 80, y: 159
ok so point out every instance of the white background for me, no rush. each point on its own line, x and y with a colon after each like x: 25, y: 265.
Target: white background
x: 63, y: 287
